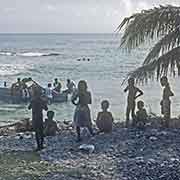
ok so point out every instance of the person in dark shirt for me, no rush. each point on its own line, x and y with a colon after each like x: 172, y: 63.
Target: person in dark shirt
x: 57, y: 85
x: 50, y: 126
x: 37, y: 105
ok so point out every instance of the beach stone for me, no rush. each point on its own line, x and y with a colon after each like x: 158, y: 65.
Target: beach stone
x: 153, y: 138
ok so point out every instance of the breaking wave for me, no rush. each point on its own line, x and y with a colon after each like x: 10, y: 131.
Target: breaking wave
x: 27, y: 54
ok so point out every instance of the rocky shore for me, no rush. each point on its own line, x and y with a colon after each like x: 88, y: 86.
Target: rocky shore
x: 126, y: 154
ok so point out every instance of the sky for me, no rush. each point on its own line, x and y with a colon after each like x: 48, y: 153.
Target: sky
x: 69, y: 16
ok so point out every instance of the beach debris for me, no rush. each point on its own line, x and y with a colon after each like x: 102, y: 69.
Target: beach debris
x: 87, y: 148
x: 153, y: 138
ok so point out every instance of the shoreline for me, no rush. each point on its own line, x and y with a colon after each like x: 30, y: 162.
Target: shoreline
x: 124, y: 154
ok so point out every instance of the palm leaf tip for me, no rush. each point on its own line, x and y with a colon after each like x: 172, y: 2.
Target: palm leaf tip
x: 167, y: 64
x: 148, y: 24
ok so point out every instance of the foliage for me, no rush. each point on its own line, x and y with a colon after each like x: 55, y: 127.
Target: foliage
x: 162, y: 24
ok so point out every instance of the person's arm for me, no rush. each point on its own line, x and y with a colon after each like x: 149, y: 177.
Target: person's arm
x: 56, y: 127
x: 126, y: 89
x: 30, y: 106
x: 112, y: 117
x: 74, y: 99
x: 140, y: 93
x: 145, y: 112
x: 45, y: 107
x: 90, y: 98
x: 170, y: 92
x: 98, y: 117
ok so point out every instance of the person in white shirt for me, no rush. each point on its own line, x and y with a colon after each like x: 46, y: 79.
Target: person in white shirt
x: 49, y: 93
x: 70, y: 86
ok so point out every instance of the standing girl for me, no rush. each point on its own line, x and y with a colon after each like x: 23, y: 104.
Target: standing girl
x: 82, y: 117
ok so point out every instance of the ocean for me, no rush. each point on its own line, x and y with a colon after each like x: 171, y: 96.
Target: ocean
x: 47, y: 56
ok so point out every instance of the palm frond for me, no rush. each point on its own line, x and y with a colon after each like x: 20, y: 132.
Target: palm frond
x: 148, y: 24
x: 167, y: 43
x: 165, y: 64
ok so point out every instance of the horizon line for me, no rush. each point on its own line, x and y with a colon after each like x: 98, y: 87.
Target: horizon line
x: 58, y: 33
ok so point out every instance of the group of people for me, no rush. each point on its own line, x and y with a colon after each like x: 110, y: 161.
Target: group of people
x: 139, y: 118
x: 104, y: 121
x: 21, y: 92
x: 56, y: 88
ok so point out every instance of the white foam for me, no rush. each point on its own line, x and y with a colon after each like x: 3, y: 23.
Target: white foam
x: 6, y: 53
x: 28, y: 54
x: 31, y: 54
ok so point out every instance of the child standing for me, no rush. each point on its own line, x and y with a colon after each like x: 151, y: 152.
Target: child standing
x: 104, y: 119
x: 141, y: 115
x: 133, y: 94
x: 38, y: 105
x: 166, y: 102
x: 82, y: 117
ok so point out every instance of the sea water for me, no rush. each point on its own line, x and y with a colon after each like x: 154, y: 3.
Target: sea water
x: 47, y: 56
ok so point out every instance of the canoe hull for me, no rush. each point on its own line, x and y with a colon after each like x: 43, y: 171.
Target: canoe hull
x: 5, y: 96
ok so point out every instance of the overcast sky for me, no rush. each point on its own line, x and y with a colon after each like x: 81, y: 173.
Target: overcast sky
x: 69, y: 16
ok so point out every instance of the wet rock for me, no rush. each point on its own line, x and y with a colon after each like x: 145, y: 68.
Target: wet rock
x: 153, y: 138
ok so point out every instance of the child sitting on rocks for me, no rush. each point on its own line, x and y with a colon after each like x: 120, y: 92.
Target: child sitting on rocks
x: 141, y: 115
x: 50, y: 126
x: 104, y: 119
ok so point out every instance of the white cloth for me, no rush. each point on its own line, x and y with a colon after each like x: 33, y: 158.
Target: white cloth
x: 25, y: 93
x: 49, y: 93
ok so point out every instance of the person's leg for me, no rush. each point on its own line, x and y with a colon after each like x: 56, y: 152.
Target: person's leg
x: 127, y: 116
x: 133, y: 111
x: 78, y: 131
x: 38, y: 141
x: 41, y: 137
x: 167, y: 113
x: 90, y: 129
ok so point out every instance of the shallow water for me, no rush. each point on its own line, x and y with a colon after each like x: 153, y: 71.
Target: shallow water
x: 46, y: 56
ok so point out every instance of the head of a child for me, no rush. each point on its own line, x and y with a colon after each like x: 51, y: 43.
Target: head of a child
x: 140, y: 105
x: 131, y: 81
x: 105, y: 105
x: 50, y: 115
x: 164, y: 81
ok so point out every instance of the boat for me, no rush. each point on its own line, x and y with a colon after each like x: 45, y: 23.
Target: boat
x: 6, y: 96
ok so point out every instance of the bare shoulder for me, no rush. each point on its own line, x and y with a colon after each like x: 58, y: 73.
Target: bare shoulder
x: 88, y: 92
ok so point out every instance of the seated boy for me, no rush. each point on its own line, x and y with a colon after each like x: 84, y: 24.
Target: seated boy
x: 141, y: 115
x: 50, y: 126
x: 104, y: 119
